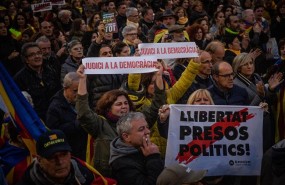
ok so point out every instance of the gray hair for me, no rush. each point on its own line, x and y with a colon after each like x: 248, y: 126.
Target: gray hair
x: 128, y: 29
x: 63, y: 12
x: 239, y: 60
x: 130, y: 10
x: 69, y: 79
x: 213, y: 46
x: 124, y: 124
x: 42, y: 39
x: 25, y: 48
x: 245, y: 13
x: 72, y: 43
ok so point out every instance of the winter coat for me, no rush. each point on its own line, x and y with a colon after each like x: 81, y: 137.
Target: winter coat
x: 235, y: 96
x: 78, y: 174
x: 69, y: 66
x: 62, y: 115
x: 130, y: 166
x: 41, y: 88
x: 268, y: 125
x: 104, y: 131
x: 173, y: 94
x: 273, y: 165
x: 199, y: 83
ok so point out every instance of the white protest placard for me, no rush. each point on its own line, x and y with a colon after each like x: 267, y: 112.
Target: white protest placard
x: 56, y: 2
x: 40, y: 7
x: 109, y: 20
x: 169, y: 50
x: 225, y: 140
x: 119, y: 65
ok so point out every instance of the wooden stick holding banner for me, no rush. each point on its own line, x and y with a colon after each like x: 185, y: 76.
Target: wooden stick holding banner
x: 119, y: 65
x: 169, y: 50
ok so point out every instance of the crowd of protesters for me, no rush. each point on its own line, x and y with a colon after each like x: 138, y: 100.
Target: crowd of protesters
x: 241, y: 62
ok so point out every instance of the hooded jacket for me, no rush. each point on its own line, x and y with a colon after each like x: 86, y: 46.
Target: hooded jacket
x: 273, y: 165
x: 130, y: 166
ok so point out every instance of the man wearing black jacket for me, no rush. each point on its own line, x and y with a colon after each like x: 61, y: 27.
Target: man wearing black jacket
x: 133, y: 157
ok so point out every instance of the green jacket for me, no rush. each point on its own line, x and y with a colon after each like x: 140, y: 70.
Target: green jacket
x: 104, y: 131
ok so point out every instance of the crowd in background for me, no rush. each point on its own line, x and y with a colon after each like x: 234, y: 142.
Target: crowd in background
x: 241, y: 62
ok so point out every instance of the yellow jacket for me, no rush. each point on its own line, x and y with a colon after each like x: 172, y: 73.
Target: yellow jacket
x: 173, y: 94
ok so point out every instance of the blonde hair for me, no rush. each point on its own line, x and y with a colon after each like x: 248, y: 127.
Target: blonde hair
x: 195, y: 94
x: 239, y: 60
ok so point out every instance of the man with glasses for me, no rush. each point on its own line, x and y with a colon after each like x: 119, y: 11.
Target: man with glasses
x: 49, y: 57
x: 130, y: 34
x: 224, y: 91
x: 133, y: 19
x: 35, y: 78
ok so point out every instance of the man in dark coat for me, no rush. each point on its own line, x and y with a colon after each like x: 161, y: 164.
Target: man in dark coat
x: 54, y: 164
x: 62, y: 115
x: 133, y: 157
x: 224, y: 91
x: 35, y: 78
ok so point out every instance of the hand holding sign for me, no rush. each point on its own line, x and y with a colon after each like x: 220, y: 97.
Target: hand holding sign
x: 82, y: 87
x: 80, y: 71
x: 163, y: 113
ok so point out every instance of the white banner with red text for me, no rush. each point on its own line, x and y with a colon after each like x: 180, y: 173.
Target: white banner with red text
x: 119, y: 65
x: 225, y: 140
x: 169, y: 50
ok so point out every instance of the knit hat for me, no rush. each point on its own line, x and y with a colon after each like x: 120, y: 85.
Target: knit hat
x: 178, y: 174
x: 51, y: 142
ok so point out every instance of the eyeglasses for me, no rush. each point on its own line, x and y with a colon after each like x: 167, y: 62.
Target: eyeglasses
x: 39, y: 53
x: 231, y: 75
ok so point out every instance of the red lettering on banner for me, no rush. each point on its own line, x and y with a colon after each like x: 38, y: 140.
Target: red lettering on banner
x: 92, y: 65
x: 187, y: 156
x: 137, y: 64
x: 181, y: 50
x: 114, y: 65
x: 41, y: 6
x: 147, y: 51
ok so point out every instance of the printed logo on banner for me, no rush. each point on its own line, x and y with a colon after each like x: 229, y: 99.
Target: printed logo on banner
x: 225, y: 140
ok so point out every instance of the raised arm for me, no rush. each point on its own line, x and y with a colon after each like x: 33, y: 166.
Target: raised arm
x: 89, y: 120
x: 184, y: 82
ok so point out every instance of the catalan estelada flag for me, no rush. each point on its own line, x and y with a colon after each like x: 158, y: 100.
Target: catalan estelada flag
x: 15, y: 160
x: 99, y: 179
x: 23, y: 114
